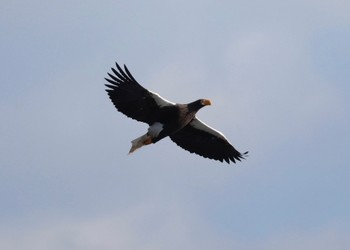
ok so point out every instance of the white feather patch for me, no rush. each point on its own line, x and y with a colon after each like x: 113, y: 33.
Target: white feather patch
x: 155, y: 129
x: 161, y: 102
x: 198, y: 124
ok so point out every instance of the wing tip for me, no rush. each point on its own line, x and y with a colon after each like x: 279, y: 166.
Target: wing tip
x: 238, y: 157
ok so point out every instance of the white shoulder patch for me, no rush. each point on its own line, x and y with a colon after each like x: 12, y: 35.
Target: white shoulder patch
x: 160, y: 100
x: 198, y: 124
x: 155, y: 129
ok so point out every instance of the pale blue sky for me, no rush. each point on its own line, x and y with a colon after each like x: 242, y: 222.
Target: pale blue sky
x: 277, y: 73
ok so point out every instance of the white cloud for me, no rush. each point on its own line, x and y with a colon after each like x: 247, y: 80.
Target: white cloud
x: 275, y: 89
x: 322, y: 239
x: 150, y: 227
x: 331, y: 11
x: 65, y: 145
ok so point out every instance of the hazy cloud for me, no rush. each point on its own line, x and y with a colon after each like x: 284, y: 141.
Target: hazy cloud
x: 277, y: 73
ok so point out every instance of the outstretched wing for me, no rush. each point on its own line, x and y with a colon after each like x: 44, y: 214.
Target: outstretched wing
x: 199, y: 138
x: 130, y: 98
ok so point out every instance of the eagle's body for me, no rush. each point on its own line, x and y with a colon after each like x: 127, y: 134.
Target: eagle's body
x: 178, y: 121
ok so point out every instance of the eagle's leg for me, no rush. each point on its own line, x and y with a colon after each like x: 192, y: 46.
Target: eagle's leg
x: 140, y: 141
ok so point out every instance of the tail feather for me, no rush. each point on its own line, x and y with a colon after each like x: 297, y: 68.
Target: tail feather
x: 139, y: 142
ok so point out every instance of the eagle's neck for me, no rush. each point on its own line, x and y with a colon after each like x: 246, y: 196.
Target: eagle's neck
x: 194, y: 106
x: 186, y: 113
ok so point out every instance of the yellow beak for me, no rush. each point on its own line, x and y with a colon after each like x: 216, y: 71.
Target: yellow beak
x: 206, y: 102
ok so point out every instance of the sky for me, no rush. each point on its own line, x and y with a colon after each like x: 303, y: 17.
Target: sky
x: 277, y: 73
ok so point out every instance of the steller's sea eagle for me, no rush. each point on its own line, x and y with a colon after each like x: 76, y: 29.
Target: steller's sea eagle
x: 165, y: 118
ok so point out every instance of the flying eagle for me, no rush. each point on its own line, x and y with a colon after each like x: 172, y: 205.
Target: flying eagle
x: 165, y: 118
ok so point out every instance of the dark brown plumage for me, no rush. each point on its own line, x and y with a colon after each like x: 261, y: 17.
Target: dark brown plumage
x: 165, y: 118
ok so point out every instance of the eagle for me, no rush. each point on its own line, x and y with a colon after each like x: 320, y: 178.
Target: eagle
x: 167, y: 119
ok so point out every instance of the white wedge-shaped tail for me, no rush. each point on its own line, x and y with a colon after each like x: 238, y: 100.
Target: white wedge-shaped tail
x: 153, y: 132
x: 140, y: 141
